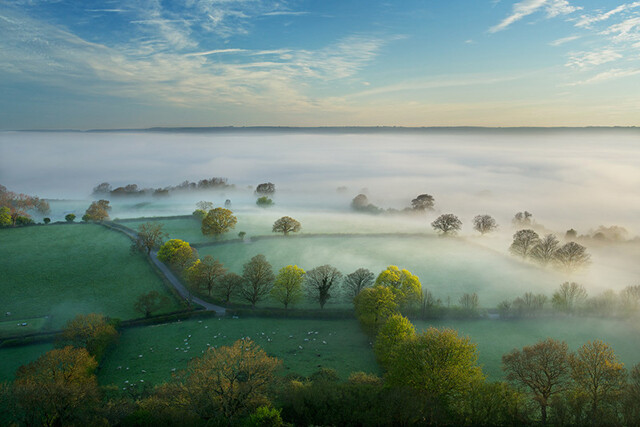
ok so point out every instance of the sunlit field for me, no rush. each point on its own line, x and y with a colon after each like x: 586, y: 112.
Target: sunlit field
x: 63, y: 270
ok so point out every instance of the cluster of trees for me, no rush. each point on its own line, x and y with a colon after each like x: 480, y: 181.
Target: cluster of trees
x: 214, y: 221
x: 215, y: 183
x: 15, y: 208
x: 547, y: 250
x: 97, y: 211
x: 422, y: 203
x: 572, y: 298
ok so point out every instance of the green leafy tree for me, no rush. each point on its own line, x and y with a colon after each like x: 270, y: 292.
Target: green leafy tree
x: 177, y: 253
x: 231, y: 381
x: 150, y: 302
x: 97, y: 211
x: 286, y: 225
x: 447, y: 224
x: 70, y: 217
x: 287, y: 288
x: 258, y: 279
x: 149, y: 237
x: 46, y: 220
x: 355, y: 282
x: 5, y: 216
x: 523, y: 243
x: 542, y: 368
x: 205, y: 273
x: 91, y: 331
x: 218, y: 221
x: 199, y: 214
x: 437, y: 363
x: 59, y: 388
x: 264, y: 202
x: 323, y: 283
x: 405, y: 285
x: 598, y: 375
x: 374, y: 306
x: 396, y: 330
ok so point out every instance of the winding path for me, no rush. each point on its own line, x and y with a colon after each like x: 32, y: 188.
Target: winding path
x: 175, y: 282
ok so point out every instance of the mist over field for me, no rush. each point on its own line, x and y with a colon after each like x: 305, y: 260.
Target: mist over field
x: 577, y: 179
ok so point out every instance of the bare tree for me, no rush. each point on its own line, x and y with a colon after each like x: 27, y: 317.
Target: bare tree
x: 523, y: 242
x: 204, y: 205
x: 568, y: 296
x: 357, y: 281
x: 469, y: 302
x: 323, y: 283
x: 258, y: 279
x: 484, y: 224
x: 543, y: 368
x: 572, y: 256
x: 447, y: 224
x: 228, y: 286
x: 545, y: 250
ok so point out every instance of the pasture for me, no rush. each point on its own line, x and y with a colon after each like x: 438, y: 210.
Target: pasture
x: 62, y: 270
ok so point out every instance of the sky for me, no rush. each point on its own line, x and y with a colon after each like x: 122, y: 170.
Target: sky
x: 116, y: 64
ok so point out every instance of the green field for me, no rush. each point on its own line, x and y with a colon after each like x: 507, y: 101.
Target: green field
x: 168, y: 346
x: 62, y: 270
x: 447, y: 267
x: 11, y: 358
x: 9, y: 328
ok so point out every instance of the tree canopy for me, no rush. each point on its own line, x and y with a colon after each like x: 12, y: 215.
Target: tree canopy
x: 405, y: 285
x: 484, y: 224
x: 177, y: 253
x: 355, y: 282
x: 150, y: 236
x: 287, y: 288
x: 286, y: 225
x: 205, y: 273
x: 423, y: 202
x: 523, y: 242
x: 447, y: 224
x: 218, y: 221
x: 258, y: 279
x: 97, y: 211
x: 373, y: 306
x: 323, y: 283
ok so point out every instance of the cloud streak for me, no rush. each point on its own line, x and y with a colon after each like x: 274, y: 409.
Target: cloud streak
x: 525, y: 8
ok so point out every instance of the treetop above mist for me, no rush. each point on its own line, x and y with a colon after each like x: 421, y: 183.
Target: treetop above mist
x: 215, y: 183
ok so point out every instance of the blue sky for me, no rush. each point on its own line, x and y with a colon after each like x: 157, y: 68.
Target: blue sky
x: 131, y: 64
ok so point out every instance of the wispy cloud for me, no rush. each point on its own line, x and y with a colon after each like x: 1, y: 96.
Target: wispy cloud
x: 627, y: 30
x: 214, y: 52
x: 563, y: 40
x: 585, y: 59
x: 615, y: 73
x: 525, y: 8
x: 284, y: 13
x: 587, y: 20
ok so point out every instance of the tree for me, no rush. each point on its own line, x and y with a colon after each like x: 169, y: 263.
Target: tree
x: 46, y: 220
x: 323, y: 283
x: 204, y: 205
x: 396, y: 330
x: 545, y: 250
x: 70, y: 217
x: 228, y: 286
x: 405, y: 285
x: 286, y: 225
x: 522, y: 219
x: 287, y: 288
x: 230, y: 381
x: 265, y: 189
x: 571, y: 234
x: 469, y: 302
x: 177, y: 253
x: 361, y: 203
x: 199, y: 214
x: 264, y: 202
x: 150, y: 302
x: 91, y: 331
x: 572, y: 256
x: 355, y: 282
x: 484, y: 224
x: 447, y: 224
x: 523, y: 242
x: 59, y: 388
x: 423, y: 202
x: 598, y: 374
x: 205, y: 273
x: 438, y: 363
x: 631, y: 298
x: 218, y: 221
x: 19, y: 204
x: 543, y: 368
x: 258, y: 279
x: 149, y: 236
x: 104, y: 188
x: 373, y: 306
x: 5, y: 216
x: 568, y: 297
x: 97, y: 211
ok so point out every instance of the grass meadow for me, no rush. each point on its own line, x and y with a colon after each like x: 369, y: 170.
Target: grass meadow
x: 62, y: 270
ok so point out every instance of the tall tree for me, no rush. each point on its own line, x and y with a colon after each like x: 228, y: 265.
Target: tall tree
x: 543, y: 368
x: 355, y: 282
x: 258, y: 279
x: 373, y: 306
x: 545, y: 250
x: 286, y: 225
x: 484, y: 224
x: 218, y: 221
x: 523, y: 243
x: 178, y: 253
x: 572, y: 256
x: 150, y: 236
x: 59, y: 388
x: 228, y: 286
x: 287, y: 288
x: 447, y: 224
x: 205, y: 273
x: 97, y: 211
x: 405, y: 285
x: 598, y: 374
x: 568, y: 297
x: 323, y: 283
